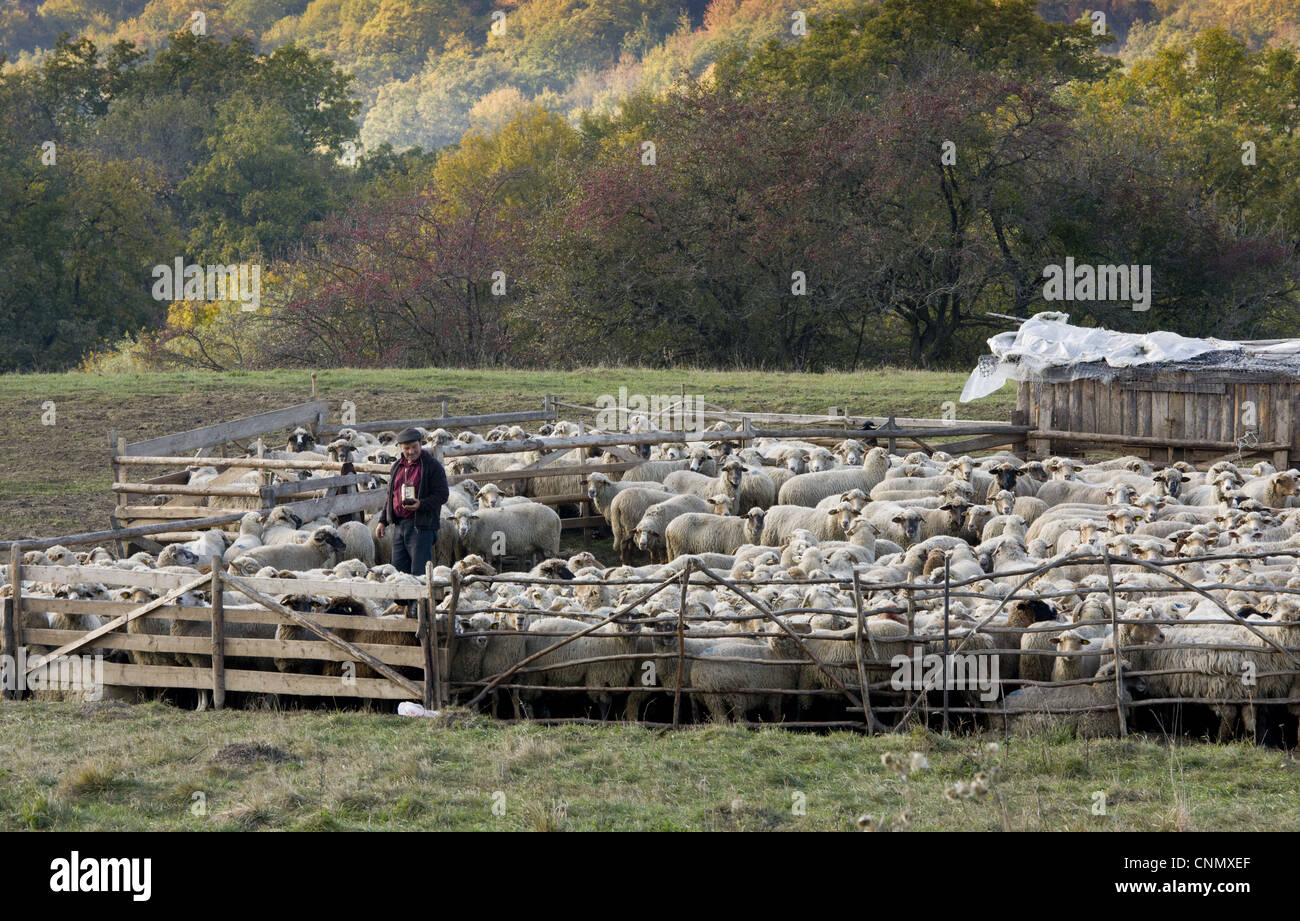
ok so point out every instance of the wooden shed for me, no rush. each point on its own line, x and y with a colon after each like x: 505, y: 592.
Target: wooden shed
x: 1196, y: 411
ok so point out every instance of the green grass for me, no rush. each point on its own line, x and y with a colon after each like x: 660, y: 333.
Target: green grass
x: 894, y: 391
x: 153, y: 767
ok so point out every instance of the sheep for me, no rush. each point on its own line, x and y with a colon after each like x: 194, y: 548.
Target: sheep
x: 319, y: 551
x: 728, y: 482
x: 781, y: 521
x: 250, y: 536
x: 281, y: 526
x: 836, y: 649
x: 1272, y: 491
x: 896, y: 523
x: 1059, y: 492
x: 1034, y: 710
x: 602, y: 490
x: 757, y: 490
x: 657, y: 471
x: 358, y: 543
x: 498, y: 651
x: 1218, y: 674
x: 650, y: 530
x: 1071, y: 667
x: 612, y: 639
x: 516, y: 530
x: 810, y: 488
x: 697, y: 533
x: 491, y: 496
x: 663, y: 645
x: 1036, y: 641
x: 719, y: 677
x: 207, y: 545
x: 625, y: 511
x: 300, y: 440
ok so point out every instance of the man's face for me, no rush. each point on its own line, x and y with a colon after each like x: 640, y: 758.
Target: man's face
x: 411, y: 451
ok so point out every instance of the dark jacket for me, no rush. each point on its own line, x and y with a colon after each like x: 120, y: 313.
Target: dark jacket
x: 432, y: 492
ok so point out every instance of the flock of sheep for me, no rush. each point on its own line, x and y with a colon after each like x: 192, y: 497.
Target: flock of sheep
x: 775, y: 533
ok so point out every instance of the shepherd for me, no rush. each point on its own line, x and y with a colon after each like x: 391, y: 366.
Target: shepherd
x: 417, y: 490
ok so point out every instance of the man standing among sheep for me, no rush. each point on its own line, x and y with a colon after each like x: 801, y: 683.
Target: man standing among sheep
x: 417, y: 490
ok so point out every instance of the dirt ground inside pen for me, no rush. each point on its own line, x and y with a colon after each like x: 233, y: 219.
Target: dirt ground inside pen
x: 54, y: 447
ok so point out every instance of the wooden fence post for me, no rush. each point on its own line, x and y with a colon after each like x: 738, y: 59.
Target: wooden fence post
x: 451, y: 627
x: 1119, y: 648
x: 681, y: 642
x: 218, y: 638
x: 947, y: 665
x: 14, y: 622
x: 429, y: 643
x: 862, y: 672
x: 10, y: 647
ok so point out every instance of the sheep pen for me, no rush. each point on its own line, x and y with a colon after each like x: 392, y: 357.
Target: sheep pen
x: 876, y: 597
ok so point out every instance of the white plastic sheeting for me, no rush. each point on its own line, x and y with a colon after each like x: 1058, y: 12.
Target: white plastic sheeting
x: 1048, y: 341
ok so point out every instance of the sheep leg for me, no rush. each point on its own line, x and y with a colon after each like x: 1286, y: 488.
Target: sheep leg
x: 603, y: 705
x: 203, y: 701
x: 518, y: 704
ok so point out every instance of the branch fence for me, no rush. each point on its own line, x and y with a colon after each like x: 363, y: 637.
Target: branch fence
x: 243, y: 639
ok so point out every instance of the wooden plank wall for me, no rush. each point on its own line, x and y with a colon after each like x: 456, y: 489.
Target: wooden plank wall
x: 1163, y: 404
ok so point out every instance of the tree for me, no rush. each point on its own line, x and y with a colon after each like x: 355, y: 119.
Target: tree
x: 257, y: 190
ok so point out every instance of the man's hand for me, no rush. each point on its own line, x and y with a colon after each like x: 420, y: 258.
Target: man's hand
x: 410, y: 504
x: 379, y: 531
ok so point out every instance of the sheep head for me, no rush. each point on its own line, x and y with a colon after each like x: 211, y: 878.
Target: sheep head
x: 1123, y: 519
x: 326, y: 536
x: 489, y: 496
x: 733, y: 473
x: 957, y: 510
x: 849, y: 452
x: 909, y: 522
x: 176, y: 555
x: 1121, y: 494
x: 463, y: 520
x: 699, y: 457
x: 720, y: 504
x: 820, y: 459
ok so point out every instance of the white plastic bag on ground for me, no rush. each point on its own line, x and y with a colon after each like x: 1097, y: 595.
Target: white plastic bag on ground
x: 410, y: 708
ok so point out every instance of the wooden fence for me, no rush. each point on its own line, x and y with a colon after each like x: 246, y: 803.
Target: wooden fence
x: 420, y: 661
x: 134, y: 523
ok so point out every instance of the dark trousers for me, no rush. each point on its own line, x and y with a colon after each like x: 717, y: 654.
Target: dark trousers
x: 412, y: 546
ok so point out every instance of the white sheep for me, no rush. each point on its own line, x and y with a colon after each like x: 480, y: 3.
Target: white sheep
x: 321, y: 550
x: 810, y: 488
x: 514, y: 530
x: 650, y: 530
x: 710, y: 533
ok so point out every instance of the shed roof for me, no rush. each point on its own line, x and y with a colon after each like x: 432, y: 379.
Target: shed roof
x: 1047, y: 347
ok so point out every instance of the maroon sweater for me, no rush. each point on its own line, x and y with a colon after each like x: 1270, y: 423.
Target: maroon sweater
x: 407, y: 475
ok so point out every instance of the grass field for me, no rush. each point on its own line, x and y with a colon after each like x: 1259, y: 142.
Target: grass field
x: 54, y: 478
x: 152, y: 767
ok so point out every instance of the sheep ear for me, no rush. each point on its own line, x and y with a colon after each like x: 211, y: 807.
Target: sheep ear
x: 1056, y: 641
